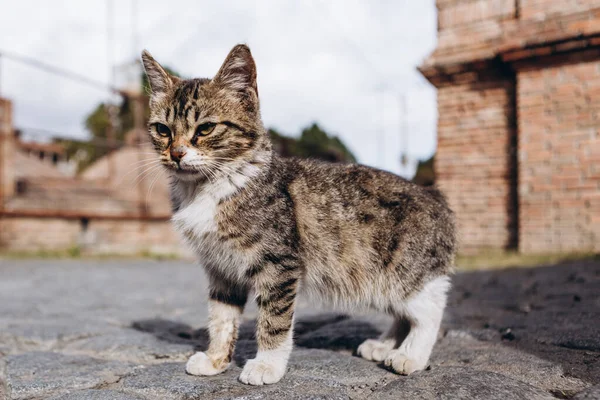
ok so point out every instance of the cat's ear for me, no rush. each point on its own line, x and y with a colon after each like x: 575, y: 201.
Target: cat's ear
x: 159, y: 79
x: 238, y: 72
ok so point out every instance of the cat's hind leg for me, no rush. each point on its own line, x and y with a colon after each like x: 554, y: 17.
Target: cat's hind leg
x: 424, y: 310
x: 378, y: 349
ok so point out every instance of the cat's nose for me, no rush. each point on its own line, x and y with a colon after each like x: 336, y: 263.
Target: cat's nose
x: 177, y: 154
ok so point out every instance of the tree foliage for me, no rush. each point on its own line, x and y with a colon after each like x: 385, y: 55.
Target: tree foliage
x: 313, y: 142
x: 425, y: 175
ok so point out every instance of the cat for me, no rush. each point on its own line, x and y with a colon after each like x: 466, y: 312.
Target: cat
x: 350, y: 234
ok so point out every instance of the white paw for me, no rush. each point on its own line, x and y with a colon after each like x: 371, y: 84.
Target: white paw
x: 201, y: 364
x: 402, y: 364
x: 375, y: 350
x: 260, y: 372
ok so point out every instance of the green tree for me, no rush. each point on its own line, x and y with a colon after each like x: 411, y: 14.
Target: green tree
x: 313, y: 142
x: 425, y: 174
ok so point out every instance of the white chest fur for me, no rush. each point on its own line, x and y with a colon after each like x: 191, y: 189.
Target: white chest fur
x: 197, y: 215
x: 196, y: 221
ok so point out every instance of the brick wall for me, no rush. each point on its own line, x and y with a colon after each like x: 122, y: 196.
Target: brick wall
x: 559, y: 157
x: 540, y: 9
x: 30, y: 234
x: 472, y: 164
x: 99, y: 237
x: 471, y: 28
x: 157, y: 237
x: 476, y: 125
x: 518, y: 135
x: 7, y: 183
x: 453, y: 13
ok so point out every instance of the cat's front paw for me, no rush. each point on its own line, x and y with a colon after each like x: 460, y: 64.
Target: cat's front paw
x: 262, y: 372
x: 201, y: 364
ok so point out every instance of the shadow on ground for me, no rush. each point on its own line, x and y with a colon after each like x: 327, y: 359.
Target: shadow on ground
x: 330, y: 331
x: 552, y: 312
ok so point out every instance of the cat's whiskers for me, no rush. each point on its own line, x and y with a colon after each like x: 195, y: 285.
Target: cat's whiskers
x: 206, y: 173
x: 144, y: 174
x: 228, y: 170
x: 147, y: 163
x: 151, y: 187
x: 143, y: 161
x: 206, y: 176
x: 222, y: 158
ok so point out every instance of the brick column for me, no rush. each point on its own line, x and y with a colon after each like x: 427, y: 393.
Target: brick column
x: 7, y: 148
x: 474, y: 162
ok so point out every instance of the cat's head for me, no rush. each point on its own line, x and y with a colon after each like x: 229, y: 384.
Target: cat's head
x: 205, y: 128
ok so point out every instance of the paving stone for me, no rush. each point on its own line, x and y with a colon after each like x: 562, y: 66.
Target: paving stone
x: 115, y: 330
x: 497, y: 356
x: 28, y: 334
x: 592, y: 393
x: 459, y: 383
x: 98, y: 394
x: 341, y: 368
x: 168, y: 380
x: 39, y: 374
x: 129, y: 345
x: 312, y: 374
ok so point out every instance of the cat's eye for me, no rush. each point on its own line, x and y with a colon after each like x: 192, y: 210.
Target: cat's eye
x: 162, y: 130
x: 205, y: 129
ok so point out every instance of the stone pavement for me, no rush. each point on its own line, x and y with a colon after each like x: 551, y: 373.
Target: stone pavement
x: 123, y: 330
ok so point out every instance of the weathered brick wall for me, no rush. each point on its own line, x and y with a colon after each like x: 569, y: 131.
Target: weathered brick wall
x: 470, y: 29
x: 472, y: 164
x: 559, y: 157
x: 540, y: 9
x: 7, y: 171
x: 476, y: 125
x: 455, y: 13
x: 31, y: 234
x: 157, y: 237
x: 100, y: 236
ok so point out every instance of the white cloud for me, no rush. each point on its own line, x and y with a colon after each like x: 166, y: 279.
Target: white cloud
x: 332, y: 61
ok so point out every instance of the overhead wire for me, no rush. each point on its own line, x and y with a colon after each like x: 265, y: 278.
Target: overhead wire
x: 63, y: 72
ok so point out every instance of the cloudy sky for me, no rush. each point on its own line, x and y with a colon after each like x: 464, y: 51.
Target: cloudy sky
x: 346, y: 64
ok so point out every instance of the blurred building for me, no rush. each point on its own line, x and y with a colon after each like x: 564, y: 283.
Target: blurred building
x: 51, y: 154
x: 518, y: 132
x: 111, y: 208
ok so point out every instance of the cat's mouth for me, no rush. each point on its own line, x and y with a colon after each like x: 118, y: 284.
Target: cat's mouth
x: 186, y: 172
x: 190, y: 172
x: 181, y: 170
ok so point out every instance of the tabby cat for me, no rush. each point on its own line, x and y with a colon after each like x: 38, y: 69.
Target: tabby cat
x: 352, y: 235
